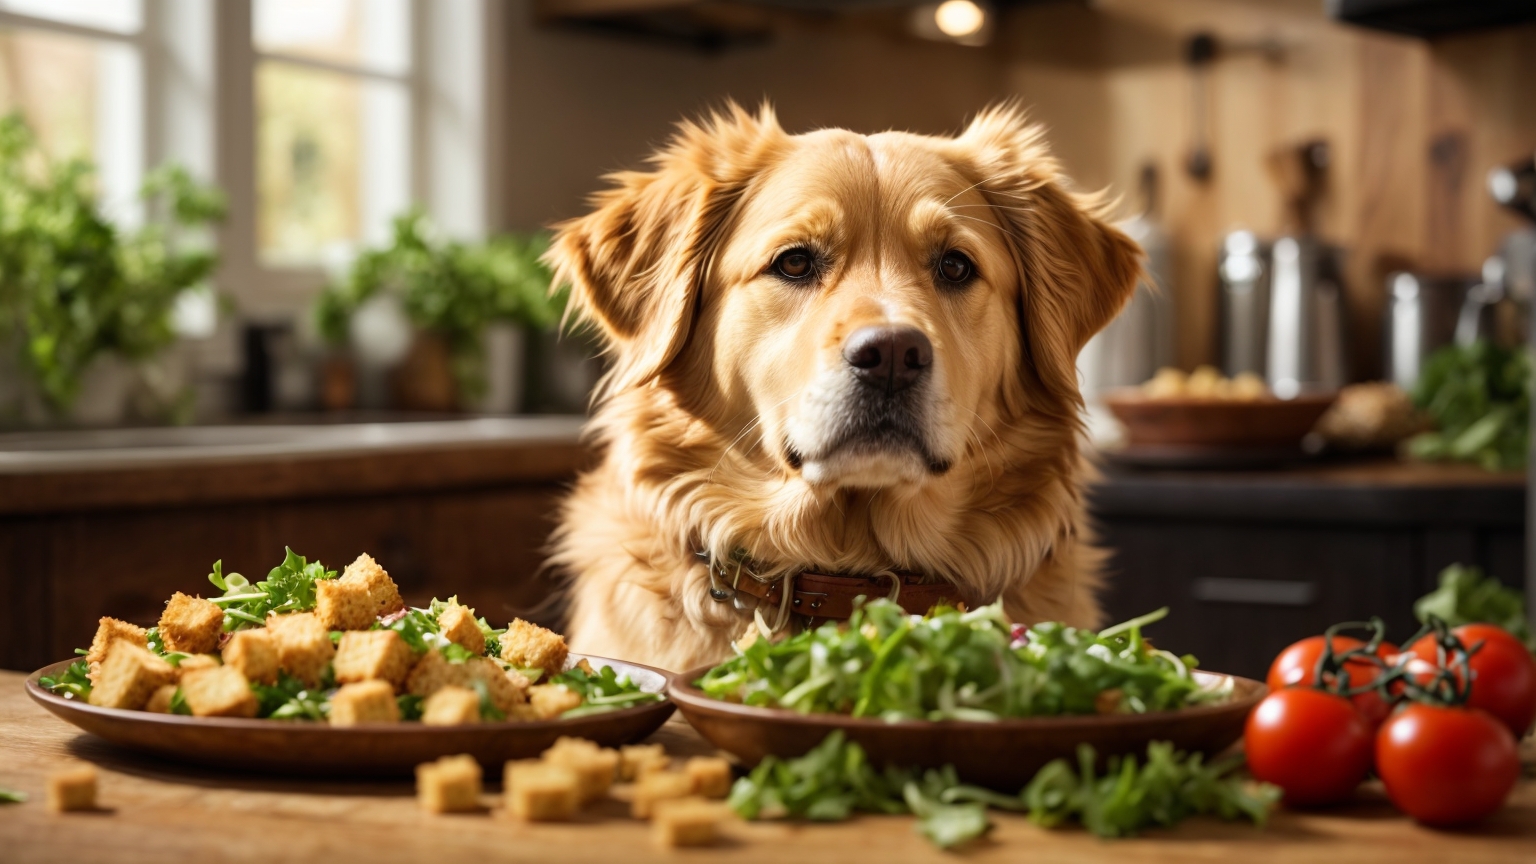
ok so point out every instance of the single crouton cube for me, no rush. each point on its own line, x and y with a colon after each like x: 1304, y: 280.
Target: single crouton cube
x: 109, y: 630
x: 451, y: 784
x: 451, y: 706
x: 365, y: 702
x: 687, y: 822
x: 128, y: 676
x: 303, y: 645
x: 191, y: 625
x: 710, y: 775
x: 254, y: 653
x: 373, y: 655
x: 585, y: 666
x: 344, y: 605
x: 657, y: 786
x: 460, y: 627
x: 381, y: 589
x: 638, y: 759
x: 218, y: 692
x: 194, y: 663
x: 594, y: 766
x: 548, y: 701
x: 537, y: 791
x: 72, y: 789
x: 160, y: 700
x: 433, y: 672
x: 529, y: 646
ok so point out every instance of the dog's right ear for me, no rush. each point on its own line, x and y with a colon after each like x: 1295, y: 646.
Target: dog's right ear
x: 636, y: 264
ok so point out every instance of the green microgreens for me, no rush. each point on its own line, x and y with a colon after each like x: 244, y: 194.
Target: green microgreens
x: 958, y: 665
x: 289, y: 587
x: 604, y: 691
x: 410, y: 706
x: 73, y: 683
x: 290, y: 699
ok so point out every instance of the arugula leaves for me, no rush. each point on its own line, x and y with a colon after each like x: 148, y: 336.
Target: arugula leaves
x: 289, y: 587
x: 835, y: 779
x: 1466, y: 596
x: 603, y: 691
x: 289, y: 699
x: 73, y: 683
x: 954, y: 665
x: 1479, y: 396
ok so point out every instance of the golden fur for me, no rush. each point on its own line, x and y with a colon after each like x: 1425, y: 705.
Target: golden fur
x: 719, y: 368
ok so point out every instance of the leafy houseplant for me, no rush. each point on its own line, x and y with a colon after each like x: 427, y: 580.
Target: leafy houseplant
x: 73, y: 286
x: 450, y: 289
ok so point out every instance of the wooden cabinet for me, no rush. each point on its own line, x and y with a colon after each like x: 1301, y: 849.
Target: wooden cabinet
x: 1248, y: 563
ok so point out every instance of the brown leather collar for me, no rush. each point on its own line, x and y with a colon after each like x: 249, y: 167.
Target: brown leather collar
x: 828, y: 595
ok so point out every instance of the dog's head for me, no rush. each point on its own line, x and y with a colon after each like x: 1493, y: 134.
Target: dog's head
x: 863, y: 310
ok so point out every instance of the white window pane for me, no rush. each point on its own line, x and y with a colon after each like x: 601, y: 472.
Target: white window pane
x: 374, y: 34
x: 332, y: 158
x: 120, y: 16
x: 83, y: 99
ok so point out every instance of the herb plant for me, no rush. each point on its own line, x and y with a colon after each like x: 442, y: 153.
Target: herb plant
x: 74, y: 286
x: 449, y: 288
x: 954, y: 665
x: 1480, y: 399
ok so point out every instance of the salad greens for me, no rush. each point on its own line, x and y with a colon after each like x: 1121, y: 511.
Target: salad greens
x: 289, y: 699
x: 8, y: 796
x: 958, y: 665
x: 604, y: 690
x: 73, y: 683
x: 1466, y: 596
x: 1480, y: 398
x: 289, y: 587
x: 835, y: 779
x: 420, y: 630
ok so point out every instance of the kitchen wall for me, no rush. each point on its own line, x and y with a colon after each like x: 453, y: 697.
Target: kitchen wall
x: 1109, y: 80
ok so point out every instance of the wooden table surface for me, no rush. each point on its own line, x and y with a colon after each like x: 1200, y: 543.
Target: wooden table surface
x: 166, y: 814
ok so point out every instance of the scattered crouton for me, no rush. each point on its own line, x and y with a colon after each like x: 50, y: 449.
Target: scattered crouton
x: 303, y: 645
x: 373, y: 655
x: 218, y: 692
x: 434, y: 672
x: 451, y: 784
x: 344, y: 605
x: 194, y: 663
x: 710, y: 775
x: 657, y: 786
x: 364, y: 702
x: 381, y: 589
x: 128, y: 676
x: 254, y: 653
x: 109, y: 630
x: 594, y: 766
x: 72, y: 789
x: 459, y: 626
x: 638, y: 759
x: 548, y: 701
x: 529, y: 646
x: 451, y: 706
x: 687, y: 822
x: 538, y: 791
x: 585, y: 666
x: 160, y: 700
x: 191, y: 625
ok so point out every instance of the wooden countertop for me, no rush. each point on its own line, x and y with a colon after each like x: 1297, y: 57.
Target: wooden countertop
x: 156, y: 812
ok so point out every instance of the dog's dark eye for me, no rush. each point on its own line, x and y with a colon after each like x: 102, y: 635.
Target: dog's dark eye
x: 796, y: 265
x: 955, y: 268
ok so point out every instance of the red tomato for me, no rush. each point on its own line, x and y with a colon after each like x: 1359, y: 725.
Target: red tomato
x: 1446, y: 766
x: 1503, y: 674
x: 1313, y: 745
x: 1297, y: 666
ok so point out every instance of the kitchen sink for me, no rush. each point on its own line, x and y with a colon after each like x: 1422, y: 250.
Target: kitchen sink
x: 74, y: 450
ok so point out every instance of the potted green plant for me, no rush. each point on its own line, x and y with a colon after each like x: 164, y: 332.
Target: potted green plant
x: 77, y: 291
x: 469, y: 303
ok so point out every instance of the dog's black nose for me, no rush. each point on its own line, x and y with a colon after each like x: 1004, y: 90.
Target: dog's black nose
x: 888, y: 358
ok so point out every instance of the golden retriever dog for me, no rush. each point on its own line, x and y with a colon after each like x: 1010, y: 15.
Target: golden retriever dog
x: 833, y: 353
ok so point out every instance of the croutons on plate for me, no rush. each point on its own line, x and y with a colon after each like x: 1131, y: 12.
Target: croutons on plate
x: 254, y: 653
x: 364, y: 702
x: 450, y: 706
x: 434, y: 672
x: 191, y: 625
x: 548, y: 701
x: 303, y: 645
x: 218, y: 692
x: 373, y: 655
x: 529, y: 646
x: 109, y: 630
x: 128, y: 676
x: 458, y: 625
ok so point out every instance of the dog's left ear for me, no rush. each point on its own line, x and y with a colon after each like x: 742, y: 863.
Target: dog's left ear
x: 637, y: 263
x: 1078, y: 270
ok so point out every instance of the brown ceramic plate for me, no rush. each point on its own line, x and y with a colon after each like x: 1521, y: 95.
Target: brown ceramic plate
x: 1003, y: 755
x: 1190, y: 423
x: 314, y: 749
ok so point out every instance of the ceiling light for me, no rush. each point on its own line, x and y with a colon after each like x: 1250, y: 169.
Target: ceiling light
x: 959, y: 18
